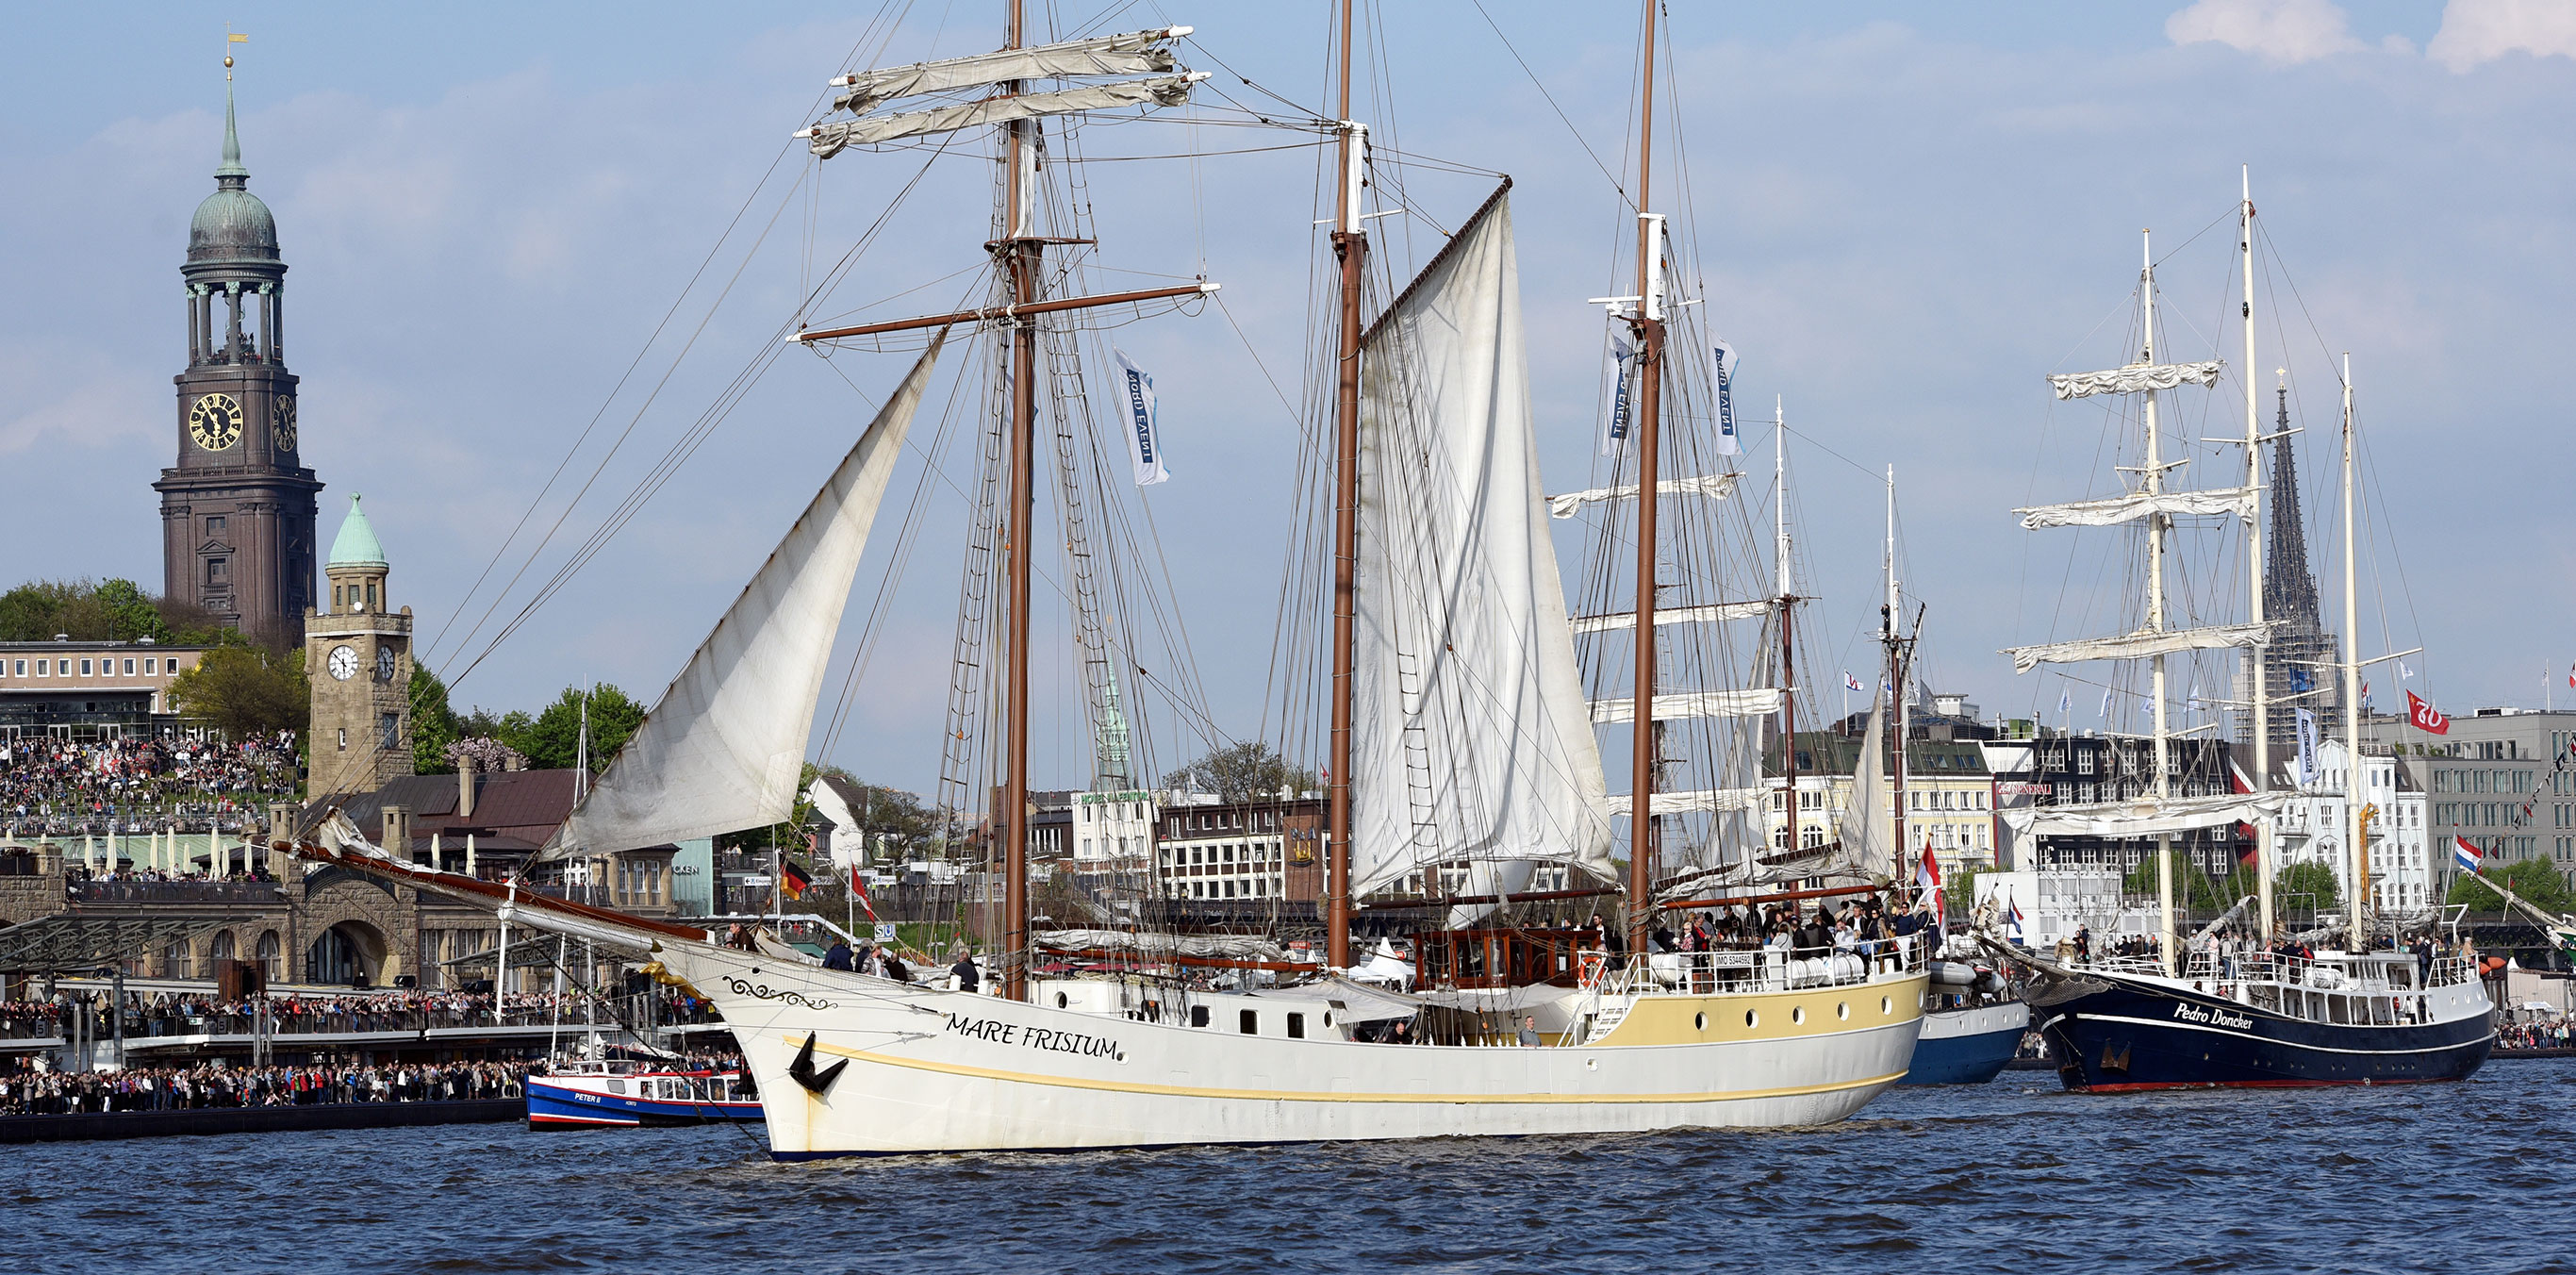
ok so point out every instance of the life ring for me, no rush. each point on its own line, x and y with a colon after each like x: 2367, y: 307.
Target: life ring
x: 1593, y: 965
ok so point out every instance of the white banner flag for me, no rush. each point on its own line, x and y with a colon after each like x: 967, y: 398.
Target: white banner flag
x: 1614, y: 418
x: 1144, y: 445
x: 1727, y: 444
x: 2307, y: 748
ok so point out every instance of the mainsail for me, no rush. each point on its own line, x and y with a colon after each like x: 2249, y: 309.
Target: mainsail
x: 724, y: 746
x: 1470, y: 739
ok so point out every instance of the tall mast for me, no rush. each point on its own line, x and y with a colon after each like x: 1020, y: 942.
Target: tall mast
x: 2156, y: 607
x: 1019, y: 259
x: 2359, y: 876
x: 1888, y: 619
x: 2262, y: 776
x: 1350, y: 243
x: 1780, y: 581
x: 1648, y: 323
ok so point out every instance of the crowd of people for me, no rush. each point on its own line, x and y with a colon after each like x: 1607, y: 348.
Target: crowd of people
x: 2535, y: 1035
x: 62, y: 787
x: 196, y: 1014
x: 36, y: 1092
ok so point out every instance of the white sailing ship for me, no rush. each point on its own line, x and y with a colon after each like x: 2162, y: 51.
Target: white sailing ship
x: 1461, y: 736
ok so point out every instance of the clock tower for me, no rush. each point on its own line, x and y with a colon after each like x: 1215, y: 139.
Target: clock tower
x: 357, y: 655
x: 237, y: 510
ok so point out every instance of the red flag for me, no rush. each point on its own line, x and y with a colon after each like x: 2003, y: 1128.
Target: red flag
x: 2425, y: 716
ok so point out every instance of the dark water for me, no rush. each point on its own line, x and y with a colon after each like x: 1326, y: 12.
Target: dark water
x: 2011, y: 1177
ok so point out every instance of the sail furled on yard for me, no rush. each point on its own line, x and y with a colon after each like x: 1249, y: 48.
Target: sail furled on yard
x: 723, y: 748
x: 1470, y: 740
x: 2140, y: 645
x: 1697, y: 801
x: 2134, y: 378
x: 1759, y: 701
x: 1622, y: 621
x: 2114, y: 510
x: 1133, y: 53
x: 1713, y: 486
x: 2145, y: 817
x: 827, y: 140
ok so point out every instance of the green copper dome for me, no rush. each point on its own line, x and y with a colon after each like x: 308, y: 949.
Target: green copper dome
x: 356, y: 544
x: 232, y: 225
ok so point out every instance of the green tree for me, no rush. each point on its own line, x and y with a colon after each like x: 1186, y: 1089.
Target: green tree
x: 434, y: 724
x: 111, y: 611
x: 2534, y: 879
x: 1962, y: 890
x: 552, y: 739
x: 1241, y: 772
x: 245, y: 691
x: 2311, y: 879
x: 2192, y: 887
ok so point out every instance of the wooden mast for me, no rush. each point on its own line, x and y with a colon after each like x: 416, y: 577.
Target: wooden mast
x: 1889, y: 619
x: 1018, y: 252
x: 1350, y: 244
x: 1647, y: 322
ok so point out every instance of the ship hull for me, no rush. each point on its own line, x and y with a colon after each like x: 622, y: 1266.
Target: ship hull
x: 1967, y: 1046
x: 2130, y: 1033
x: 554, y: 1105
x: 891, y: 1068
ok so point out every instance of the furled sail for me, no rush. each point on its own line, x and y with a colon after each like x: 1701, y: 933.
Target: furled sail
x: 827, y: 140
x: 2145, y: 817
x: 1761, y: 701
x: 1625, y: 620
x: 1134, y: 53
x: 2140, y: 645
x: 1469, y: 738
x: 2135, y: 377
x: 723, y: 747
x: 1713, y: 486
x: 2119, y: 509
x: 1703, y: 801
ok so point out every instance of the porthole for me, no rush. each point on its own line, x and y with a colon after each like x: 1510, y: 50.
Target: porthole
x: 1060, y: 1001
x: 1886, y: 1004
x: 1328, y: 1018
x: 1798, y: 1015
x: 1699, y: 1022
x: 1843, y: 1010
x: 1752, y: 1018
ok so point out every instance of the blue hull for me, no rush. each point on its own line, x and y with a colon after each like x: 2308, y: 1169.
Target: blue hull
x: 1970, y: 1059
x: 2130, y: 1036
x: 555, y: 1106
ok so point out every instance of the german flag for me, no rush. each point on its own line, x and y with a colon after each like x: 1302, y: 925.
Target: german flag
x: 792, y: 880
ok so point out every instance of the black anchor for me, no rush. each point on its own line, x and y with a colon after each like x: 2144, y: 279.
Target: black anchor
x: 802, y: 1070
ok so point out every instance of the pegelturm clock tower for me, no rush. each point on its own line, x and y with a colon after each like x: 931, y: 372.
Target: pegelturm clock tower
x: 237, y: 510
x: 357, y: 658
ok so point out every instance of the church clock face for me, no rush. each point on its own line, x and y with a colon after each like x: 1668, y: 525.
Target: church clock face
x: 384, y: 664
x: 215, y: 422
x: 343, y: 662
x: 284, y: 431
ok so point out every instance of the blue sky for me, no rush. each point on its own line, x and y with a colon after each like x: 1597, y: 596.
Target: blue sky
x: 1905, y: 217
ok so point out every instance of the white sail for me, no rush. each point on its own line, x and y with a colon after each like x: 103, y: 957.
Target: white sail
x: 2119, y: 509
x: 827, y: 140
x: 1702, y: 801
x: 1761, y: 701
x: 1470, y: 740
x: 2145, y: 817
x: 1713, y: 486
x: 2135, y: 377
x: 722, y: 749
x: 2140, y: 645
x: 1869, y: 826
x: 1134, y: 53
x: 1623, y: 620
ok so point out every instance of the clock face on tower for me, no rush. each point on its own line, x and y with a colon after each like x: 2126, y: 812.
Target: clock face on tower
x: 343, y: 662
x: 284, y: 429
x: 215, y: 422
x: 384, y: 664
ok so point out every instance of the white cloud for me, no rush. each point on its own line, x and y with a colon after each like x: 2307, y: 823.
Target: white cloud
x: 2475, y: 31
x: 2281, y: 31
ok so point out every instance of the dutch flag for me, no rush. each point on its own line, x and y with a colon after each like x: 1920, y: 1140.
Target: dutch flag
x: 2465, y: 854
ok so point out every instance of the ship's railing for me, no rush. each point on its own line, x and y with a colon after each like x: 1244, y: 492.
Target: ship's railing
x: 1768, y: 969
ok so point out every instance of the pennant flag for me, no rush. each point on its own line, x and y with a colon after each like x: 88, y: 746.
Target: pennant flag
x: 2404, y: 674
x: 1724, y: 364
x: 1927, y: 874
x: 1614, y: 421
x: 2106, y: 702
x: 2425, y: 717
x: 2365, y: 694
x: 2195, y: 697
x: 859, y: 891
x: 1852, y: 682
x: 2065, y: 702
x: 1144, y: 443
x: 2012, y: 911
x: 2464, y: 854
x: 2307, y: 747
x: 792, y: 880
x: 2571, y: 676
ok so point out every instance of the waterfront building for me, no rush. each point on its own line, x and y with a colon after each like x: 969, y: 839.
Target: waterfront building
x: 2313, y: 828
x: 238, y: 506
x: 88, y: 688
x: 2056, y: 768
x: 1949, y: 799
x: 1208, y: 848
x: 2479, y: 775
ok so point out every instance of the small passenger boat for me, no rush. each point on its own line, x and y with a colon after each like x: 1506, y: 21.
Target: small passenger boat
x: 617, y: 1094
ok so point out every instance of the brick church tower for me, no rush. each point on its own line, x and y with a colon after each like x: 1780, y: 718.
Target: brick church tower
x: 237, y: 510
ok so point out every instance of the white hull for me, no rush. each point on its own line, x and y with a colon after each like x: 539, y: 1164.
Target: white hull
x: 931, y: 1070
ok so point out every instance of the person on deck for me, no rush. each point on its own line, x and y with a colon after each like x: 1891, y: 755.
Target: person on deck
x: 964, y: 969
x: 1529, y: 1032
x: 838, y: 957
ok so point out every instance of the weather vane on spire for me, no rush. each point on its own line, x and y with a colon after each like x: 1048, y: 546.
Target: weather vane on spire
x: 231, y: 38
